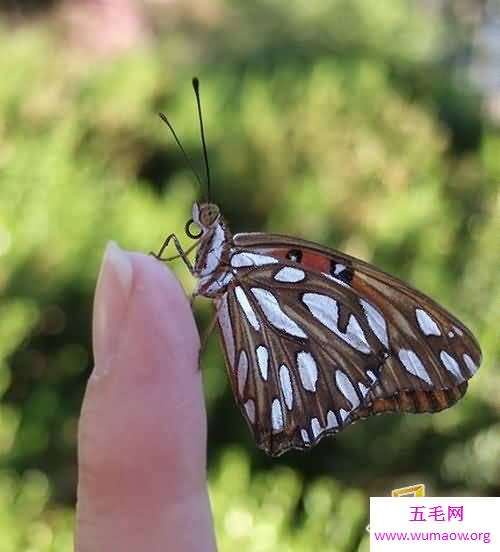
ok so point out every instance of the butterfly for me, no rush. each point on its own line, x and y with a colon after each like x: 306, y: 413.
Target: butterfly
x: 315, y: 339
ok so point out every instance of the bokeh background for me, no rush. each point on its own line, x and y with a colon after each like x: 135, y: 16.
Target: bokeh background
x: 369, y: 127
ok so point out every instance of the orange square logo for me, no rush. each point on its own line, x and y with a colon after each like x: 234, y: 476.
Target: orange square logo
x: 412, y: 491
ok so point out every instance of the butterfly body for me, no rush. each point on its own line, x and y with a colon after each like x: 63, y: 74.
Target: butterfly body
x: 213, y: 251
x: 315, y: 339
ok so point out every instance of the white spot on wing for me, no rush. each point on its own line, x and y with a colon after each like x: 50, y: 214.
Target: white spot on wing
x: 346, y: 388
x: 263, y: 360
x: 247, y: 308
x: 451, y: 365
x: 308, y: 370
x: 458, y: 331
x: 355, y: 336
x: 325, y: 309
x: 290, y: 274
x: 316, y: 427
x: 286, y: 386
x: 364, y: 390
x: 371, y: 375
x: 331, y: 420
x: 414, y: 365
x: 471, y: 365
x: 376, y: 322
x: 250, y: 410
x: 343, y: 414
x: 336, y: 280
x: 226, y: 327
x: 276, y: 416
x: 305, y: 436
x: 426, y: 323
x: 245, y: 258
x: 276, y: 316
x: 242, y: 371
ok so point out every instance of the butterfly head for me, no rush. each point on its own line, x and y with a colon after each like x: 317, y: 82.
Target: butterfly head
x: 205, y: 215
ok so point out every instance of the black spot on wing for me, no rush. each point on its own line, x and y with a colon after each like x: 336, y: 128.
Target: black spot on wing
x: 341, y: 272
x: 294, y: 255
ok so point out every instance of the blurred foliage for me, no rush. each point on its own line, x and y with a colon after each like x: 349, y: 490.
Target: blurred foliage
x: 331, y: 121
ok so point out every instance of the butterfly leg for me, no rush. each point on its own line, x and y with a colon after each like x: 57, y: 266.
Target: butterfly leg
x: 180, y: 252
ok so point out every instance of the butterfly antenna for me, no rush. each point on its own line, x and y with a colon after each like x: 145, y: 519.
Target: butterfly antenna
x: 186, y: 156
x: 196, y: 87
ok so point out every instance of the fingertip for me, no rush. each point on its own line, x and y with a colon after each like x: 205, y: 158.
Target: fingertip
x: 142, y: 432
x: 157, y: 287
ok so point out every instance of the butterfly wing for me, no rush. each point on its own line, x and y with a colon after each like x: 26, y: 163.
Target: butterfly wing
x: 316, y: 339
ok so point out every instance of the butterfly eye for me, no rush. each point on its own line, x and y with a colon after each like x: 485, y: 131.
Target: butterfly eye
x: 188, y: 228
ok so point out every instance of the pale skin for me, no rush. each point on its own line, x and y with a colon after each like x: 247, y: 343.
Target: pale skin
x: 142, y: 433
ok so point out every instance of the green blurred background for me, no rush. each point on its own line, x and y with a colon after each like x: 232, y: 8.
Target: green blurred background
x: 369, y: 127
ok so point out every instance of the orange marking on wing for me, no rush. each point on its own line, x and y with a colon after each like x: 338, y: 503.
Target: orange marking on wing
x: 281, y: 252
x: 316, y: 261
x: 310, y: 259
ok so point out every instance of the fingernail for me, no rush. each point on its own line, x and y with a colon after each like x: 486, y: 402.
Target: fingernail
x: 110, y: 304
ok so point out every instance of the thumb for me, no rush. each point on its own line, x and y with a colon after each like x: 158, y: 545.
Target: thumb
x: 142, y: 433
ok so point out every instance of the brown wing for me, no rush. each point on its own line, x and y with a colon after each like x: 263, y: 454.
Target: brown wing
x: 336, y: 339
x: 285, y: 406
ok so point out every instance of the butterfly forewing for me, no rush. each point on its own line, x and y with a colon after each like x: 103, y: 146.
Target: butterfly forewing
x: 315, y: 339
